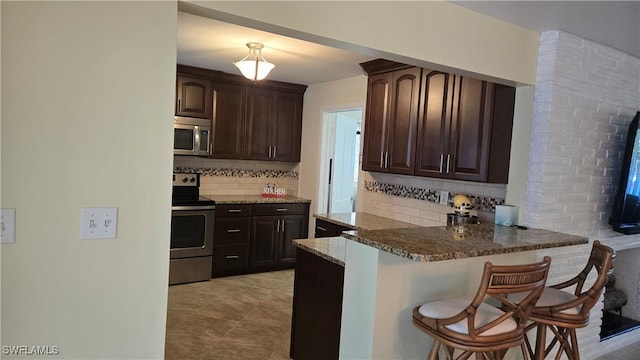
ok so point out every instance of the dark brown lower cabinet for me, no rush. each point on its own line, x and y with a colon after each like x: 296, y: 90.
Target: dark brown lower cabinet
x: 254, y: 238
x: 328, y: 229
x: 273, y: 229
x: 317, y: 308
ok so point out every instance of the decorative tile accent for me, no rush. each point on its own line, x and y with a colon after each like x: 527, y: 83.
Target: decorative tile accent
x: 239, y: 172
x: 481, y: 203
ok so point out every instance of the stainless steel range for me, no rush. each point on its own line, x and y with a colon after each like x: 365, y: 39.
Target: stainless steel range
x: 191, y: 254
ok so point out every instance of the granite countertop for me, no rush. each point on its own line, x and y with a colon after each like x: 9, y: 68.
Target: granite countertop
x: 442, y: 243
x: 331, y: 248
x: 255, y: 199
x: 363, y: 221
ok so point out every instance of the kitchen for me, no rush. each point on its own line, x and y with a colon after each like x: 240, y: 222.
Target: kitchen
x: 113, y: 290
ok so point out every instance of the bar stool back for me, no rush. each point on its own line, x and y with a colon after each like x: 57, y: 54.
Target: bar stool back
x: 563, y: 312
x: 475, y: 327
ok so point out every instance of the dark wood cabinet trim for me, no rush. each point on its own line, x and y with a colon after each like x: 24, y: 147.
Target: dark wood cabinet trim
x: 378, y: 66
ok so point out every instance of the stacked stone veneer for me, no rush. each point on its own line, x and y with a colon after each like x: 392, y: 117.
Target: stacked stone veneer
x: 234, y: 177
x: 585, y: 97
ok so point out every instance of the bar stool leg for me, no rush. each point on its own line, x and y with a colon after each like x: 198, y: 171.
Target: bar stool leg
x: 574, y: 344
x: 433, y: 354
x: 541, y: 335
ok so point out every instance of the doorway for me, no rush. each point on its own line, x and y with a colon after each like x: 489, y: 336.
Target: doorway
x: 343, y: 160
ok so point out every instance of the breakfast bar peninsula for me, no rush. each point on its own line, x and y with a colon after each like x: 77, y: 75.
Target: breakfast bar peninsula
x: 387, y: 272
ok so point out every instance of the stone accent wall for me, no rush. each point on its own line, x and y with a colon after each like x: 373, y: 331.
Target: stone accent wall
x: 585, y: 97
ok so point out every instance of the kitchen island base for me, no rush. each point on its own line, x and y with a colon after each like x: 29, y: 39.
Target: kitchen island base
x: 381, y: 290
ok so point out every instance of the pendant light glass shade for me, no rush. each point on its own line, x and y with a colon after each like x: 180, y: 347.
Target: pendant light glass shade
x: 253, y: 66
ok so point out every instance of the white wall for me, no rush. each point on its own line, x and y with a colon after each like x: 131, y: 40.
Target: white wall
x: 87, y: 94
x: 420, y: 33
x: 320, y: 98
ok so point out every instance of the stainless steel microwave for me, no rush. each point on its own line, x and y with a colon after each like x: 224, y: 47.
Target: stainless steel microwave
x: 191, y: 136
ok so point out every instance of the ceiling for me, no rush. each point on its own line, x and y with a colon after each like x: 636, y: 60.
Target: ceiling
x: 214, y: 44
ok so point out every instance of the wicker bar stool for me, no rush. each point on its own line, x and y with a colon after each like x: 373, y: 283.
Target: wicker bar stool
x: 475, y: 327
x: 563, y: 312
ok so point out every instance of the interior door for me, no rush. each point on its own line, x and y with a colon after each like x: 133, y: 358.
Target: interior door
x: 344, y: 162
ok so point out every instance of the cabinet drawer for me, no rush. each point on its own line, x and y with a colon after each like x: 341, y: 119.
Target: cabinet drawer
x: 280, y: 209
x: 231, y: 230
x: 233, y: 210
x: 229, y: 259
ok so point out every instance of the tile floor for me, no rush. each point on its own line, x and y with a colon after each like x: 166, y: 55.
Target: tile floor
x: 247, y: 317
x: 239, y: 317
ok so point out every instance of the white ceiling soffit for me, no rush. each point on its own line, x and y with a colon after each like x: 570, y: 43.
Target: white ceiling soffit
x: 612, y: 23
x: 213, y: 44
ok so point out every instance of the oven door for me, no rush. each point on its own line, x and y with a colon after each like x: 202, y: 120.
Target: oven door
x: 191, y: 232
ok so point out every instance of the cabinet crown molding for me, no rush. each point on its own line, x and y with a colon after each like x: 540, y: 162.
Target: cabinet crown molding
x: 379, y: 66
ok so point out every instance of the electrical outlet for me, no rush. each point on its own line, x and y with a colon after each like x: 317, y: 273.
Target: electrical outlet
x: 98, y: 223
x: 8, y: 226
x: 444, y: 197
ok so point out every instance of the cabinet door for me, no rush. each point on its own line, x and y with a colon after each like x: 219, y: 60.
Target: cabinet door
x: 264, y: 241
x: 434, y: 125
x: 257, y: 136
x: 193, y: 97
x: 376, y: 119
x: 286, y: 126
x: 292, y: 227
x: 403, y: 121
x: 228, y: 120
x: 471, y: 124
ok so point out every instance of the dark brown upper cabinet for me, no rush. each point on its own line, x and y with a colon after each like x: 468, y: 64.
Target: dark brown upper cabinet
x: 228, y: 120
x: 444, y: 125
x: 273, y: 125
x: 193, y: 97
x: 250, y: 121
x: 464, y: 129
x: 391, y: 119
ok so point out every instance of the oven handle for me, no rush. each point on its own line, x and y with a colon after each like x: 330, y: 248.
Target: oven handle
x: 197, y: 207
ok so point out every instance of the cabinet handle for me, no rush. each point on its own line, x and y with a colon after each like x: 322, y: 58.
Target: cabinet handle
x: 278, y: 226
x: 235, y: 210
x: 321, y: 228
x: 233, y: 230
x: 232, y: 257
x: 448, y: 160
x: 179, y: 109
x: 386, y: 159
x: 275, y: 148
x: 269, y: 152
x: 441, y: 162
x: 282, y: 209
x: 282, y: 225
x: 210, y: 151
x: 382, y: 159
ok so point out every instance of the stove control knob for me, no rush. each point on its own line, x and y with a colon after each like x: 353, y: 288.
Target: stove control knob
x: 192, y: 180
x: 185, y: 179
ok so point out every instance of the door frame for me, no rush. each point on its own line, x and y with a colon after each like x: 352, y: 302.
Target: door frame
x: 325, y: 153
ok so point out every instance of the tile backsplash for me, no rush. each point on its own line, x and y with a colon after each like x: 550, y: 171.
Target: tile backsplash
x: 416, y: 199
x: 235, y: 177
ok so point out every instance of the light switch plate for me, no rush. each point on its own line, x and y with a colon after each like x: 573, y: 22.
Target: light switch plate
x: 8, y: 226
x: 444, y: 197
x: 98, y: 223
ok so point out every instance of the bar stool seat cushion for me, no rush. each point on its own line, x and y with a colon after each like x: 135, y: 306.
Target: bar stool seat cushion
x: 486, y: 313
x: 551, y: 297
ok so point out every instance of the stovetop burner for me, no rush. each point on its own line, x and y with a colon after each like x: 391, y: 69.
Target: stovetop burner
x: 186, y: 191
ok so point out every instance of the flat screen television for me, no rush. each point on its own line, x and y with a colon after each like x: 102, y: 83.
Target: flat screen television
x: 625, y: 217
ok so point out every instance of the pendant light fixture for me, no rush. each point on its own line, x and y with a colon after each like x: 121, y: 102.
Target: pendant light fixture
x: 253, y: 66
